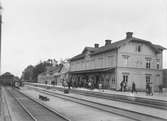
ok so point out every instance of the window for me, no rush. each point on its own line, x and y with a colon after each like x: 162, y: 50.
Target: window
x: 148, y: 63
x: 109, y: 61
x: 125, y: 59
x: 148, y: 78
x: 113, y: 80
x: 125, y: 77
x: 139, y: 48
x: 158, y: 64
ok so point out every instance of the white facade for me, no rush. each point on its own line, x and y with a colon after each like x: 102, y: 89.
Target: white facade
x: 133, y: 63
x: 131, y: 59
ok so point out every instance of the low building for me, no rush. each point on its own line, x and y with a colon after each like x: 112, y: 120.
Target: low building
x: 55, y: 74
x: 43, y: 78
x: 130, y: 60
x: 8, y: 79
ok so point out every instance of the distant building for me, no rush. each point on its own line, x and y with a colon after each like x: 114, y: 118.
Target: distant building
x: 130, y: 59
x: 44, y: 78
x: 7, y: 79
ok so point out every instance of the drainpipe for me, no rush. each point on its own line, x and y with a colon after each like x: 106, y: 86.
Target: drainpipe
x: 116, y: 68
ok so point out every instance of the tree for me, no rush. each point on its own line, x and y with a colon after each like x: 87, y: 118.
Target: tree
x: 31, y: 73
x: 38, y: 69
x: 28, y: 73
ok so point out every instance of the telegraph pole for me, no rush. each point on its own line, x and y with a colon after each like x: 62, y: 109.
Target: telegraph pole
x: 0, y: 33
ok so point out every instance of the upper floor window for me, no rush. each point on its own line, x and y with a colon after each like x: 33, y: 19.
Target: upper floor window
x: 158, y: 64
x: 139, y: 48
x: 148, y: 63
x: 125, y: 59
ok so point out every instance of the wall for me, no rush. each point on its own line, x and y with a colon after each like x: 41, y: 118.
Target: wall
x: 103, y: 60
x: 139, y: 77
x: 138, y: 59
x: 135, y: 66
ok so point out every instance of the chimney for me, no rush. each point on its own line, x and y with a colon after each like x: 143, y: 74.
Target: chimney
x: 96, y: 45
x: 107, y: 42
x: 129, y: 35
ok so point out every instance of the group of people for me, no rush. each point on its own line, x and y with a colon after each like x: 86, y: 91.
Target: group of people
x: 123, y: 86
x: 91, y: 87
x: 89, y: 84
x: 149, y: 89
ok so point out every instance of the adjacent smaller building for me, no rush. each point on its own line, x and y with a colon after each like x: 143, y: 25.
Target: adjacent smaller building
x: 8, y: 79
x: 55, y: 74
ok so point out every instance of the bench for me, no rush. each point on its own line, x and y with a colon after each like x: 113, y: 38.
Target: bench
x: 44, y: 98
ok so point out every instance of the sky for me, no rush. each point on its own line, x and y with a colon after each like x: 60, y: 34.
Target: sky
x: 34, y: 30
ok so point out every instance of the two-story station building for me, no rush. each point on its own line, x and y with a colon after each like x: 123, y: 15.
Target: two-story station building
x: 130, y: 59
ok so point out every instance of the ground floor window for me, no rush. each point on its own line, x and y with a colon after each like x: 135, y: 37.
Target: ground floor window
x: 148, y: 79
x: 113, y: 80
x: 125, y: 78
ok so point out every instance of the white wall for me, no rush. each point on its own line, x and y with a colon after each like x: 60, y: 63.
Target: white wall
x: 103, y: 60
x: 138, y: 59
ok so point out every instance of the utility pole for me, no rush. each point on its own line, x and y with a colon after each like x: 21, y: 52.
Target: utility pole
x: 0, y: 34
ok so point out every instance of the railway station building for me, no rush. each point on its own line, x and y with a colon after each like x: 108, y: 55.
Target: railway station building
x: 131, y: 60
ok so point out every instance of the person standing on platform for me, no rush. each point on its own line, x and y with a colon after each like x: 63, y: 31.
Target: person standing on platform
x: 121, y: 85
x: 134, y: 87
x: 100, y: 86
x: 90, y: 85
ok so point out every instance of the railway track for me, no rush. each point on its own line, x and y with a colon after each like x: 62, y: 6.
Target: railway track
x: 5, y: 112
x: 36, y: 110
x: 136, y: 116
x: 158, y: 104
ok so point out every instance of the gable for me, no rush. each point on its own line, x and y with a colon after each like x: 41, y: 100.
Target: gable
x: 137, y: 47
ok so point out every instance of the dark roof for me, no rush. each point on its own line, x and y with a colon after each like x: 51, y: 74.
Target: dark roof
x: 79, y: 56
x: 91, y: 49
x: 115, y: 45
x: 156, y: 47
x: 109, y: 47
x: 54, y: 69
x: 7, y: 74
